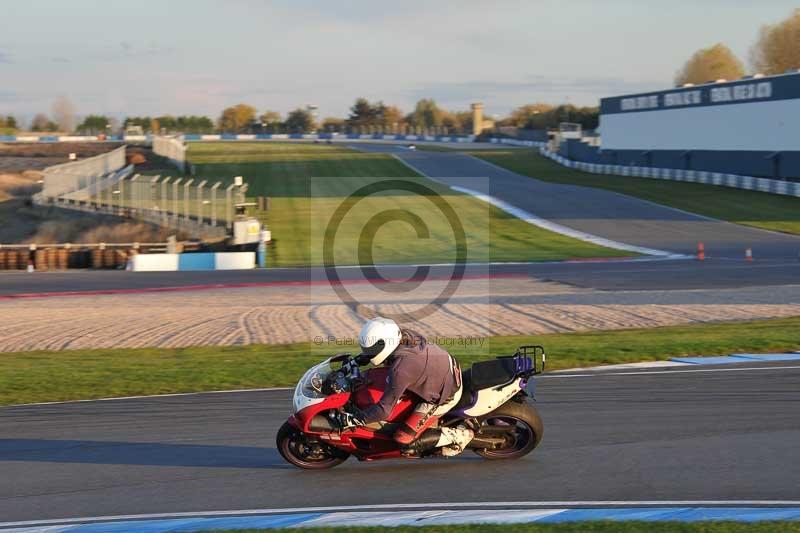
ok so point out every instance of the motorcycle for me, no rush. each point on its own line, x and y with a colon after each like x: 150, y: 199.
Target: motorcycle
x: 496, y: 404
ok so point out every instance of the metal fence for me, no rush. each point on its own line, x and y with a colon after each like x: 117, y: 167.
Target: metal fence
x: 172, y: 148
x: 104, y: 185
x: 78, y: 175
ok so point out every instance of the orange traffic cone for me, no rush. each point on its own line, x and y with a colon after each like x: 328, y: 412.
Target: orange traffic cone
x: 748, y: 254
x: 701, y: 251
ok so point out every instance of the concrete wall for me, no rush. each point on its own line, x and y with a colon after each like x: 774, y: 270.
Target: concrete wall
x: 736, y: 181
x: 765, y: 164
x: 193, y: 261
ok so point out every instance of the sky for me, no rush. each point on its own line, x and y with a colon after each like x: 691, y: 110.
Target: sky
x: 154, y: 57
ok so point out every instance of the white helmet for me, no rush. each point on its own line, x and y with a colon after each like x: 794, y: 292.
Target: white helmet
x: 379, y: 338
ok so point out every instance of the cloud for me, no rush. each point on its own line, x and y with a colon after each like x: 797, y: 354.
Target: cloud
x: 60, y: 59
x: 5, y: 58
x: 534, y: 88
x: 7, y: 96
x: 126, y: 50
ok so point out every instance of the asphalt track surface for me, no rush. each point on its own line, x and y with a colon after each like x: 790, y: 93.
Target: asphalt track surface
x: 596, y: 211
x: 710, y: 433
x: 603, y: 213
x: 607, y: 275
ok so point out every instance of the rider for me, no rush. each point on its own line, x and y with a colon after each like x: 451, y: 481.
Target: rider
x: 419, y: 367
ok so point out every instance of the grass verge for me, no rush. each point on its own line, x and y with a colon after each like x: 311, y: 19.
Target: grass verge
x: 569, y: 527
x: 28, y: 377
x: 306, y: 183
x: 758, y: 209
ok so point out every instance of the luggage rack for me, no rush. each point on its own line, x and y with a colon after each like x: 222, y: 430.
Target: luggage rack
x: 525, y: 358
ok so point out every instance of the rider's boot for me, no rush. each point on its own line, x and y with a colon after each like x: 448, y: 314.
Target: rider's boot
x: 453, y: 440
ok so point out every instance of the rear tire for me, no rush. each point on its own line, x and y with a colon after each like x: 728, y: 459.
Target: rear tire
x: 306, y: 453
x: 525, y: 430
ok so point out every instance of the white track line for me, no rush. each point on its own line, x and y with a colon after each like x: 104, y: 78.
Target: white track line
x: 590, y: 374
x: 170, y: 395
x: 530, y: 218
x: 446, y: 505
x: 654, y: 372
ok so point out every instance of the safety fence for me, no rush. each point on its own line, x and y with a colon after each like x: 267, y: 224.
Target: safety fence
x: 172, y: 148
x: 80, y: 175
x: 103, y: 185
x: 43, y: 257
x: 736, y: 181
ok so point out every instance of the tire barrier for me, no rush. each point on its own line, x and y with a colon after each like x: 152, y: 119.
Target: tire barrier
x: 51, y: 257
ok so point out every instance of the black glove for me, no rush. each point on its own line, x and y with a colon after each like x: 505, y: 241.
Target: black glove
x: 350, y: 366
x: 362, y: 359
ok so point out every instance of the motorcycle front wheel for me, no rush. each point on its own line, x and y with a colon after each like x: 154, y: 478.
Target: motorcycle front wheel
x: 305, y: 452
x: 518, y: 424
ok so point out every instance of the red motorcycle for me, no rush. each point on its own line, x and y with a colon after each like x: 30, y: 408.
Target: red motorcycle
x: 496, y: 404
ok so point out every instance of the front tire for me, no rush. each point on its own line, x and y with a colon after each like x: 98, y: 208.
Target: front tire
x: 307, y: 453
x: 524, y: 430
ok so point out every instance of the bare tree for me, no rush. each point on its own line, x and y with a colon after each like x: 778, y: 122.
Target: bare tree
x: 64, y: 114
x: 40, y: 122
x: 710, y: 64
x: 778, y: 46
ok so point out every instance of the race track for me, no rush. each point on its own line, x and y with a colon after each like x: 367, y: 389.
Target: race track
x: 606, y: 275
x: 710, y: 433
x: 599, y: 212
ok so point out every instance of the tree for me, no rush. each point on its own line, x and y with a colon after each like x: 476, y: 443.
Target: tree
x: 362, y: 114
x: 778, y: 46
x: 388, y: 117
x: 544, y: 116
x: 64, y: 114
x: 530, y: 116
x: 40, y: 122
x: 709, y: 64
x: 142, y: 122
x: 299, y: 121
x: 270, y: 121
x: 94, y: 124
x: 8, y: 122
x: 332, y: 124
x: 168, y: 123
x: 238, y: 118
x: 426, y: 114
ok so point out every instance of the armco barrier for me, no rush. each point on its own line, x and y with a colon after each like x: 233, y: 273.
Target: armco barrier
x: 327, y: 136
x: 735, y: 181
x: 519, y: 142
x: 241, y: 137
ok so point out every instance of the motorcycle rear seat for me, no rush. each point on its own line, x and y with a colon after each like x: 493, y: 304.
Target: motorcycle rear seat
x: 494, y: 373
x: 485, y: 374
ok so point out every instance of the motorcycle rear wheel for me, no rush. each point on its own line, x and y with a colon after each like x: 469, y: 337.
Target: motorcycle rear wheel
x: 306, y: 453
x: 525, y: 430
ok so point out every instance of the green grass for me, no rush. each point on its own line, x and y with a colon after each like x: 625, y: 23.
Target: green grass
x: 569, y: 527
x: 42, y: 376
x: 307, y: 182
x: 762, y: 210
